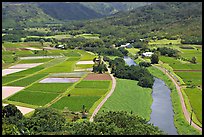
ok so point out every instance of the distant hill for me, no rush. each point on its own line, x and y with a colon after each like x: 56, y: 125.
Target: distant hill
x: 109, y: 8
x: 68, y: 11
x: 16, y: 14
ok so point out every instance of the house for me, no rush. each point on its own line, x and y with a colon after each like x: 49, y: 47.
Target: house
x: 60, y: 46
x: 147, y: 54
x: 127, y: 45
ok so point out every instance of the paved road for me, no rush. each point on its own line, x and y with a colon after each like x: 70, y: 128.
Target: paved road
x: 181, y: 98
x: 107, y: 96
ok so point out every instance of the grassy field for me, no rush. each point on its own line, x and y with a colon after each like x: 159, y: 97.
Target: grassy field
x: 84, y: 66
x: 86, y: 56
x: 88, y: 36
x: 34, y: 60
x: 58, y: 37
x: 165, y: 41
x: 72, y: 54
x: 128, y: 96
x: 180, y: 122
x: 192, y: 78
x: 132, y: 51
x: 88, y: 91
x: 195, y: 97
x: 7, y: 79
x: 27, y: 81
x: 49, y: 87
x: 33, y: 98
x: 75, y: 103
x: 94, y: 84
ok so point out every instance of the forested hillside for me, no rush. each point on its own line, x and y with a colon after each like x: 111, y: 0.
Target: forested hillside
x: 158, y: 20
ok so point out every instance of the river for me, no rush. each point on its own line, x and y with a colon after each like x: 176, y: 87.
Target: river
x: 162, y: 114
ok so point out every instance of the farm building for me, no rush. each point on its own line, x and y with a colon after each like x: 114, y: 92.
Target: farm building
x: 147, y: 54
x: 60, y: 46
x: 127, y: 45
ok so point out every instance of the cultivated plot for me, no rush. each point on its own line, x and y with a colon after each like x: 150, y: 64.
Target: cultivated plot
x: 9, y: 90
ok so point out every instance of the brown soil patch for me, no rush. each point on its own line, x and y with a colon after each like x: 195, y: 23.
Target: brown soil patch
x: 184, y: 70
x: 93, y: 76
x: 12, y: 49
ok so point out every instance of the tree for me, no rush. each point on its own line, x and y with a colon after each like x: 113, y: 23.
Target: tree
x: 42, y: 42
x: 11, y: 111
x: 193, y: 60
x: 154, y: 59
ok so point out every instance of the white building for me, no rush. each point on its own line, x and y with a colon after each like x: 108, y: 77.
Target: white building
x: 127, y: 45
x: 147, y: 54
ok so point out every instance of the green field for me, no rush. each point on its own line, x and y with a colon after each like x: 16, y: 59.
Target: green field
x: 86, y: 56
x: 128, y: 96
x: 133, y: 51
x: 94, y: 84
x: 192, y: 78
x: 49, y: 87
x: 84, y: 66
x: 72, y: 54
x: 88, y: 36
x: 34, y: 60
x: 59, y: 37
x: 165, y: 41
x: 75, y: 103
x: 33, y: 98
x: 27, y: 81
x: 7, y: 79
x: 88, y: 91
x: 195, y: 97
x: 27, y: 71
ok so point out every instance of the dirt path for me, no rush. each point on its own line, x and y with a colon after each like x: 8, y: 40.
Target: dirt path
x: 107, y: 96
x: 181, y: 98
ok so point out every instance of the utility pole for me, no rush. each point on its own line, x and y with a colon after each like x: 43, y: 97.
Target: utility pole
x: 191, y: 117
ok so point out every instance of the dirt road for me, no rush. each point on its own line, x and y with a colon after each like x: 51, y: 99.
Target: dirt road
x: 107, y: 96
x: 186, y: 114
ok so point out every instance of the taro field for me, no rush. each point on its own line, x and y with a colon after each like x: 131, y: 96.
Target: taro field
x: 71, y: 90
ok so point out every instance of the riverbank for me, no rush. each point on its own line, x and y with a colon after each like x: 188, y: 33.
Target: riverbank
x: 181, y: 124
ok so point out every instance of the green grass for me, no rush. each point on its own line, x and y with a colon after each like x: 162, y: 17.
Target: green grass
x: 7, y: 79
x: 84, y: 66
x: 180, y: 122
x: 94, y: 84
x: 27, y: 71
x: 72, y: 54
x: 192, y: 78
x: 34, y: 60
x: 58, y: 37
x: 8, y: 58
x: 180, y: 65
x: 75, y: 103
x: 128, y: 96
x: 86, y: 56
x: 88, y: 91
x: 73, y: 59
x: 195, y: 97
x: 133, y: 51
x: 27, y: 81
x: 68, y: 75
x: 66, y: 66
x: 165, y: 41
x: 88, y: 36
x: 33, y: 98
x: 49, y: 87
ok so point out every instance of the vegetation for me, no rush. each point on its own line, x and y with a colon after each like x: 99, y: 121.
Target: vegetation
x: 127, y: 93
x: 48, y: 121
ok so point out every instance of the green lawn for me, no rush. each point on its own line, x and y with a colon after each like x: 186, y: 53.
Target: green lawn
x: 49, y: 87
x: 33, y: 98
x: 128, y: 96
x: 86, y: 56
x: 72, y: 54
x: 88, y: 91
x: 94, y: 84
x: 195, y: 97
x: 88, y: 36
x: 75, y: 103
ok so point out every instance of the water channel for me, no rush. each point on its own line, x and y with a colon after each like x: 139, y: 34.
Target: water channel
x: 162, y: 111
